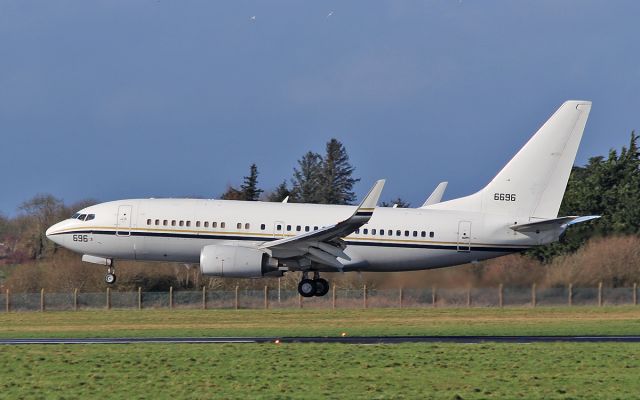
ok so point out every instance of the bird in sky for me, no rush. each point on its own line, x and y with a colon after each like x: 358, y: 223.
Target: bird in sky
x: 330, y: 14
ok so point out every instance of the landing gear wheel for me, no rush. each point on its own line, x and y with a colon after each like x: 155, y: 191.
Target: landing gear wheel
x: 307, y: 288
x: 322, y: 286
x: 110, y: 278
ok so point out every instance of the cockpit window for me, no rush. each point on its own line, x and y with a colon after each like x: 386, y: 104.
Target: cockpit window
x: 81, y: 217
x: 90, y: 217
x: 76, y: 215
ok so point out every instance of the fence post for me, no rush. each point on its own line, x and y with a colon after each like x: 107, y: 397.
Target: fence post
x: 204, y: 297
x: 170, y: 297
x: 333, y: 297
x: 401, y: 297
x: 635, y: 294
x: 42, y: 300
x: 571, y: 294
x: 434, y: 296
x: 468, y: 296
x: 501, y: 295
x: 364, y: 296
x: 108, y: 298
x: 299, y: 301
x: 266, y: 297
x: 75, y: 299
x: 279, y: 291
x: 139, y: 298
x: 235, y: 303
x: 8, y: 301
x: 533, y: 295
x: 600, y: 294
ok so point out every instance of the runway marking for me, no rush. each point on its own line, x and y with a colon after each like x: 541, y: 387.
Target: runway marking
x: 369, y: 340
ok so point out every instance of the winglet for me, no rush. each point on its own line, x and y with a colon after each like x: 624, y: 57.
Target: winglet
x: 365, y: 209
x: 436, y: 196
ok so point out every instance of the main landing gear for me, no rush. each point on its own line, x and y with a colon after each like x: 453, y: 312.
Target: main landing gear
x: 110, y: 277
x: 313, y: 287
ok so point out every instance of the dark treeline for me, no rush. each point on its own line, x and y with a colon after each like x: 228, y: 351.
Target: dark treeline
x: 607, y: 186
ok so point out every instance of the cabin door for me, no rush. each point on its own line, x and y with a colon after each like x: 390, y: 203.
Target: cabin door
x: 464, y: 236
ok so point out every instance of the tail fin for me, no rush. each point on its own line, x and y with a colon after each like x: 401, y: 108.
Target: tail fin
x: 532, y: 184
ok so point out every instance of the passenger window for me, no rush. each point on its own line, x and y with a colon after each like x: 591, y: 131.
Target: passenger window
x: 390, y: 232
x: 357, y: 231
x: 406, y: 233
x: 365, y: 231
x: 148, y: 222
x: 381, y: 232
x: 247, y: 226
x: 373, y: 231
x: 157, y: 222
x: 90, y: 217
x: 239, y: 225
x: 423, y: 234
x: 188, y: 223
x: 288, y: 227
x: 279, y: 227
x: 315, y: 228
x: 206, y: 224
x: 415, y: 233
x: 222, y: 225
x: 173, y: 222
x: 298, y: 228
x: 197, y: 224
x: 431, y: 234
x: 165, y: 222
x: 181, y: 223
x: 306, y: 228
x: 398, y: 233
x: 214, y: 224
x: 262, y: 227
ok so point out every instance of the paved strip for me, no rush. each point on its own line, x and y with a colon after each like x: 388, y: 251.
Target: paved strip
x: 332, y: 339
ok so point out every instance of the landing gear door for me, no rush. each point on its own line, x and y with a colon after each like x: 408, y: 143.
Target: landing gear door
x: 464, y: 236
x: 123, y: 223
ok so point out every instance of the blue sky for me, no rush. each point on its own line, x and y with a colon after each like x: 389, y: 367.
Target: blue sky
x: 158, y: 98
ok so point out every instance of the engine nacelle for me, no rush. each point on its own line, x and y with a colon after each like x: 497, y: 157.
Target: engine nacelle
x: 235, y: 262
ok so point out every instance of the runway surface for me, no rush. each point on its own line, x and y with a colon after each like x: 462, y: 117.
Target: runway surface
x: 339, y: 339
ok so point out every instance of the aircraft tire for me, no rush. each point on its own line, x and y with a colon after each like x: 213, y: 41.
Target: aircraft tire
x: 307, y: 288
x: 322, y: 287
x: 110, y: 278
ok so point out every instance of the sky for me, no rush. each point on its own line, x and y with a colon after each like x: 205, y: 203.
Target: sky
x: 164, y: 98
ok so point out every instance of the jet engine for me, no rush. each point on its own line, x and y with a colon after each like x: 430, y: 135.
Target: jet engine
x: 236, y: 262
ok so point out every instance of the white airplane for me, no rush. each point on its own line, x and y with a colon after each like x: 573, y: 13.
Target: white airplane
x: 517, y: 210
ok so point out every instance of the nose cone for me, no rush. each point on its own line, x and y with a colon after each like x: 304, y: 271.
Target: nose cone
x: 53, y: 235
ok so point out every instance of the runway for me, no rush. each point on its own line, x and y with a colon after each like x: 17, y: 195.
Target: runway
x: 332, y: 339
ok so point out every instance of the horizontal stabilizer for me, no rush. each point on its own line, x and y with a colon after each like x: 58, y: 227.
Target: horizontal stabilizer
x: 551, y: 224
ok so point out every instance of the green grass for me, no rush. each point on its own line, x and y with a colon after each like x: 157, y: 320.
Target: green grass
x: 306, y: 322
x: 447, y: 371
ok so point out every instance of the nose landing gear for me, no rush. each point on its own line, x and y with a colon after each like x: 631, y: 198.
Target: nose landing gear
x: 110, y: 277
x: 313, y: 287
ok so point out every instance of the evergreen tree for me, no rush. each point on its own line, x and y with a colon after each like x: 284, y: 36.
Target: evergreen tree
x: 399, y: 201
x: 281, y: 192
x: 307, y: 179
x: 249, y: 188
x: 336, y: 179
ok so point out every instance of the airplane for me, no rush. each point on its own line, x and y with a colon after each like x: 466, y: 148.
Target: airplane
x: 517, y: 210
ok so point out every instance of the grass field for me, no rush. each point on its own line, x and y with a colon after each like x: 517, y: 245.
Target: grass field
x: 447, y: 371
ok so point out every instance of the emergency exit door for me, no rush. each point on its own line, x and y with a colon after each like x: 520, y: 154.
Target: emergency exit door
x: 464, y: 236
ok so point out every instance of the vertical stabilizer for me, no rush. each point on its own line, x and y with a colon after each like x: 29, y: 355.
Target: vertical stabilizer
x: 532, y: 184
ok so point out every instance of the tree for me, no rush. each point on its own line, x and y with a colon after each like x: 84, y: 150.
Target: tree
x: 280, y: 193
x: 399, y: 201
x: 249, y: 188
x: 307, y: 181
x: 41, y: 211
x: 336, y: 179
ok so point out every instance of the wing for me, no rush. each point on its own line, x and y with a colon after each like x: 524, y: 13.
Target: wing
x: 325, y: 245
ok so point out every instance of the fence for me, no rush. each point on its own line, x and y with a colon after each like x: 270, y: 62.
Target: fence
x: 336, y: 298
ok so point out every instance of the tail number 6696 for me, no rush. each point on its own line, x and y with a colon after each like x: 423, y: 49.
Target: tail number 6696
x: 504, y: 196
